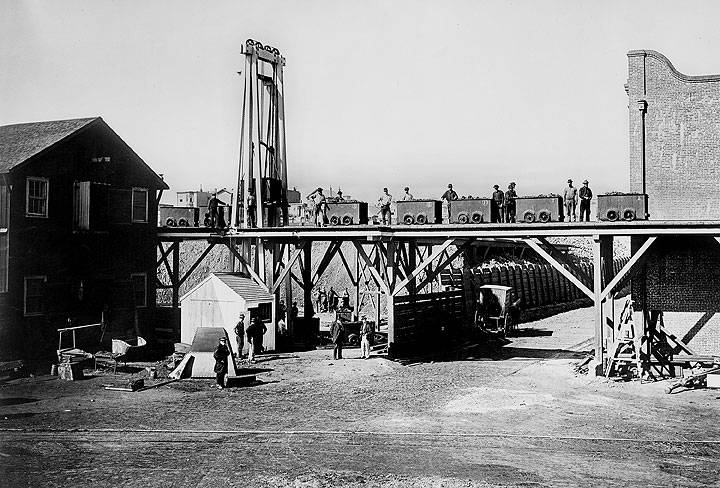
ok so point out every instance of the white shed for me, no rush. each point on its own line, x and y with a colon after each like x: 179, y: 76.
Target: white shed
x: 219, y: 299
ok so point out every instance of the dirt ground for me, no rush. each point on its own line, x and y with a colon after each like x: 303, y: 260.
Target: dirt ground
x: 519, y: 415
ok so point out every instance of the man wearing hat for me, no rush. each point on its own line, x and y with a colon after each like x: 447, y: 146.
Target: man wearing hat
x: 448, y: 197
x: 385, y: 201
x: 497, y: 205
x: 585, y: 198
x: 366, y: 332
x: 320, y: 207
x: 220, y: 355
x: 510, y: 196
x: 339, y: 197
x: 407, y: 196
x: 570, y: 199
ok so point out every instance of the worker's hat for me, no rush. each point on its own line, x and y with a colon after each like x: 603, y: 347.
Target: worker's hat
x: 512, y: 183
x: 569, y: 180
x: 496, y: 186
x: 449, y: 185
x: 222, y: 339
x: 339, y: 192
x: 319, y: 189
x: 585, y: 182
x: 407, y: 188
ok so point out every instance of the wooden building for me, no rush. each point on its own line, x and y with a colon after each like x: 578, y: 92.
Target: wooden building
x: 218, y: 301
x: 78, y: 229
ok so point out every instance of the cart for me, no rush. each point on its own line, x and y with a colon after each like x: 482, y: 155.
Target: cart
x: 493, y: 309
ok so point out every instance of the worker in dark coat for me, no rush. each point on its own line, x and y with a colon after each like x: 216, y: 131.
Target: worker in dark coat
x: 585, y: 195
x: 255, y: 332
x: 337, y: 333
x: 213, y: 204
x: 221, y: 354
x: 510, y: 196
x: 498, y: 205
x: 240, y: 334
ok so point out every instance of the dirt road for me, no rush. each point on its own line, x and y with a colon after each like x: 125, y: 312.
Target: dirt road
x: 519, y: 416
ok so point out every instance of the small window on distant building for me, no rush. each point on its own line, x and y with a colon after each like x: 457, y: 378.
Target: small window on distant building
x: 139, y: 284
x: 36, y: 201
x: 34, y: 295
x: 139, y: 205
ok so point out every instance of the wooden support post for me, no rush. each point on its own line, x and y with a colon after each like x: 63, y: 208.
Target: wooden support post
x: 175, y: 278
x: 357, y: 285
x: 598, y: 309
x: 289, y: 293
x: 390, y: 303
x: 606, y: 257
x: 412, y: 264
x: 308, y: 311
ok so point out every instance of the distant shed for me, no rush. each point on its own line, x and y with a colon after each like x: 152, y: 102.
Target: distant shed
x: 219, y: 299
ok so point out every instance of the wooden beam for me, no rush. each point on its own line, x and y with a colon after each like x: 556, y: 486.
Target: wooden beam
x: 196, y: 263
x: 424, y: 264
x: 564, y: 271
x: 294, y: 277
x: 326, y: 260
x: 286, y: 269
x: 560, y: 257
x: 441, y: 266
x: 347, y: 266
x: 371, y: 267
x: 597, y: 301
x: 249, y: 269
x: 634, y: 260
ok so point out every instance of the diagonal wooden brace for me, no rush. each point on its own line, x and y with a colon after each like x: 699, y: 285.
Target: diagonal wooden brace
x: 562, y: 269
x: 634, y: 260
x: 424, y: 264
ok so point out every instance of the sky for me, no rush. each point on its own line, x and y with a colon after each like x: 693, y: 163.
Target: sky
x: 378, y: 93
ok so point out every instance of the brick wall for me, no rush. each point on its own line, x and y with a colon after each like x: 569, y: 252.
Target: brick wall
x: 682, y: 138
x: 682, y: 279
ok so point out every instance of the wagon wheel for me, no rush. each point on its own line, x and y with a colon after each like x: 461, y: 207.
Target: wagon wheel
x: 628, y: 214
x: 421, y: 218
x: 183, y: 223
x: 347, y: 220
x: 170, y: 222
x: 612, y: 215
x: 408, y: 219
x: 529, y: 216
x: 463, y: 218
x: 544, y: 216
x: 477, y: 217
x: 335, y: 220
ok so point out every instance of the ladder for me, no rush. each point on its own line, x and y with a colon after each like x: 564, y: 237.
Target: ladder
x: 627, y: 344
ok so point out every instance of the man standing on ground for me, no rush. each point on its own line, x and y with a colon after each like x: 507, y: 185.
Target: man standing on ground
x: 570, y: 199
x: 498, y: 205
x: 407, y: 196
x: 510, y: 196
x: 448, y: 197
x: 220, y: 355
x: 337, y: 333
x: 255, y: 332
x: 385, y: 201
x: 585, y: 198
x: 366, y: 332
x: 240, y: 334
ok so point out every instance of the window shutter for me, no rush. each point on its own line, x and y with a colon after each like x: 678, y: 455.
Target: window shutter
x: 120, y: 206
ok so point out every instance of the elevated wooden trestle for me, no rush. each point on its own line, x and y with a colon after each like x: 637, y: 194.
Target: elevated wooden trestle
x: 400, y: 259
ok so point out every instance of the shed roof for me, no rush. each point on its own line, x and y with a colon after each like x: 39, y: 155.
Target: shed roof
x: 20, y: 142
x: 245, y: 287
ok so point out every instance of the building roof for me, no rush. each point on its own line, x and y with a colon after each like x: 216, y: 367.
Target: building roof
x: 20, y: 142
x: 245, y: 287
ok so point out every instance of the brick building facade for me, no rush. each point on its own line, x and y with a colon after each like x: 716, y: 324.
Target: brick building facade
x: 674, y: 154
x: 680, y: 140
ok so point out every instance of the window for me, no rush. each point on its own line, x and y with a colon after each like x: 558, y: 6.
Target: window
x: 139, y: 285
x: 36, y: 202
x: 139, y: 205
x: 34, y: 295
